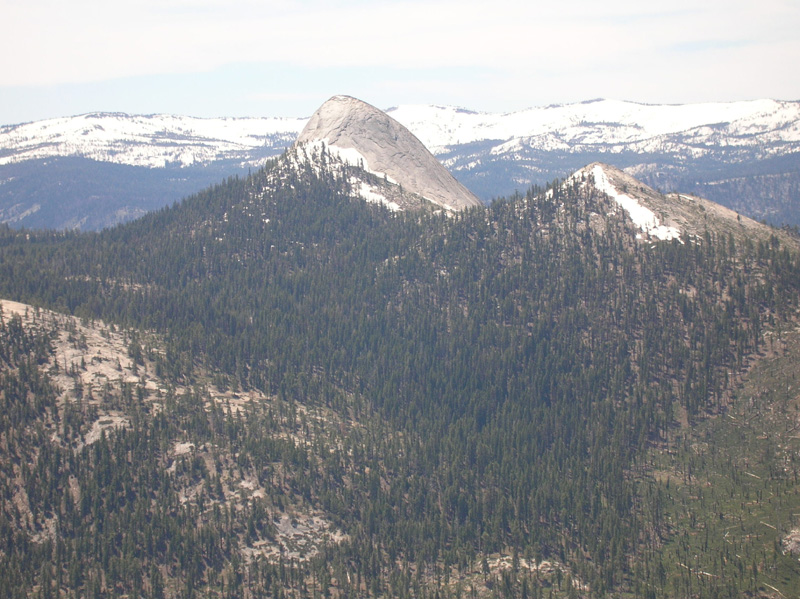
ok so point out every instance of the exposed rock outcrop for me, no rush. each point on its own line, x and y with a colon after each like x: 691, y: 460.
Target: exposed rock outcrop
x: 669, y: 216
x: 365, y: 136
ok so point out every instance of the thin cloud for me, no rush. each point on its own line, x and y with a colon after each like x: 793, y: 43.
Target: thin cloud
x: 90, y: 41
x: 564, y: 51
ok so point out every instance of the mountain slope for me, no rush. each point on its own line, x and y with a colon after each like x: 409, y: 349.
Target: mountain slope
x: 469, y: 401
x: 144, y: 466
x: 79, y: 193
x: 667, y: 216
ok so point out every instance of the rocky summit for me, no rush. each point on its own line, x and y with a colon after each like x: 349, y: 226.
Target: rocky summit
x: 360, y: 133
x: 660, y: 216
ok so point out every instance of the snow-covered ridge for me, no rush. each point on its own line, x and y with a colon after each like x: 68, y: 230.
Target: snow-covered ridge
x: 600, y: 122
x: 162, y: 140
x: 153, y: 141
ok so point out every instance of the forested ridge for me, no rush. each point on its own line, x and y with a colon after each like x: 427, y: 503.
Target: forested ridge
x: 488, y: 383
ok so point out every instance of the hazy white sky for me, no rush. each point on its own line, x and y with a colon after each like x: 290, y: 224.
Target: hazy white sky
x: 281, y: 58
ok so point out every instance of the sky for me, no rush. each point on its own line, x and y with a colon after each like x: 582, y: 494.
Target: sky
x: 212, y: 58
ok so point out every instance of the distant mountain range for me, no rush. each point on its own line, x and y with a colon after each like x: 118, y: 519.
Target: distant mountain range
x: 96, y: 170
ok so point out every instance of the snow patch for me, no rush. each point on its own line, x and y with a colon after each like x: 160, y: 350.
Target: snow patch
x: 369, y: 193
x: 642, y: 217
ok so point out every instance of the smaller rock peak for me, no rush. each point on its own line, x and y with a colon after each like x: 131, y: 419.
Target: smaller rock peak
x: 660, y: 216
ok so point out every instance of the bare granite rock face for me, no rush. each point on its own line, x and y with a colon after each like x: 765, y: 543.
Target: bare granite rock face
x: 358, y: 132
